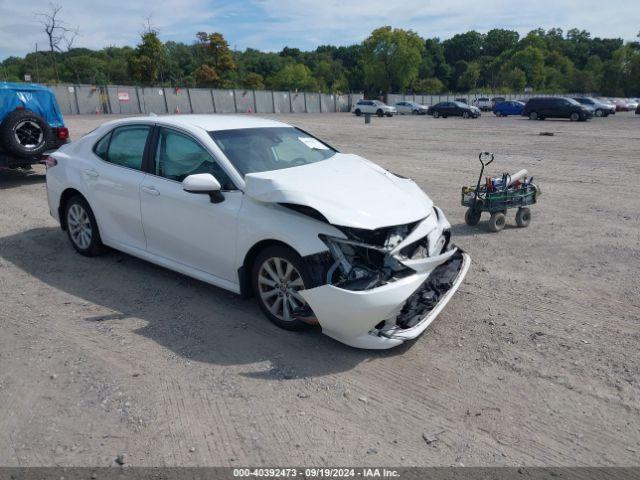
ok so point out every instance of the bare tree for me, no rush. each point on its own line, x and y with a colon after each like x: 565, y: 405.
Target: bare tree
x: 57, y: 31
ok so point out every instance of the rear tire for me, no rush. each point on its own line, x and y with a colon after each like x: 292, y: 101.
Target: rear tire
x: 358, y: 112
x: 436, y: 114
x: 380, y: 112
x: 523, y: 217
x: 465, y: 115
x: 498, y: 114
x: 278, y: 274
x: 25, y: 134
x: 599, y: 112
x: 533, y: 115
x: 82, y: 228
x: 497, y: 221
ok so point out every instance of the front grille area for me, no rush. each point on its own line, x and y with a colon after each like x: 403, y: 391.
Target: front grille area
x: 428, y: 295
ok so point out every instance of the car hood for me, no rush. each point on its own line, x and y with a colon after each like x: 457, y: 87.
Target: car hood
x: 346, y: 189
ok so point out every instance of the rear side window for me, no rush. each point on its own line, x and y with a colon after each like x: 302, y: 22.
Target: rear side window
x: 102, y: 146
x: 124, y: 146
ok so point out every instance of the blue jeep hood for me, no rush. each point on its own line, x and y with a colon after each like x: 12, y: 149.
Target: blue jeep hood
x: 36, y: 98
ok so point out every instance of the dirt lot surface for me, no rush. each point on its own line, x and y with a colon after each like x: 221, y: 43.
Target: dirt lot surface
x: 535, y: 361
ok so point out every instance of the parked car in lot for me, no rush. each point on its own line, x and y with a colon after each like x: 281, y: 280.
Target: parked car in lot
x: 483, y: 103
x: 413, y: 108
x: 632, y: 103
x: 540, y: 108
x: 599, y: 108
x: 621, y: 105
x: 30, y: 124
x: 263, y: 209
x: 504, y: 109
x: 496, y: 100
x: 454, y: 109
x: 638, y: 110
x: 375, y: 107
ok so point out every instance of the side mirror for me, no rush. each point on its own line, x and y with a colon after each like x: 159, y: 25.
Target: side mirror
x: 203, y: 183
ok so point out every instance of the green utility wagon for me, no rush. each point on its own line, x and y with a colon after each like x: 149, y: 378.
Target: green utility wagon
x: 498, y: 200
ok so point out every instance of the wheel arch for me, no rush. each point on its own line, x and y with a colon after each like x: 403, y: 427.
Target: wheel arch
x: 64, y: 198
x: 244, y: 272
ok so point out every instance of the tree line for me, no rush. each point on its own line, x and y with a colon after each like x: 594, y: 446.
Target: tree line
x: 389, y: 60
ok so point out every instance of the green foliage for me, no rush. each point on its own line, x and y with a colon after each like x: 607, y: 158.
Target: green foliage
x: 145, y: 63
x: 391, y: 58
x: 388, y: 60
x: 293, y: 76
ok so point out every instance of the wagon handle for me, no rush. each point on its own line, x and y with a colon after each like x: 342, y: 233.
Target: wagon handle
x: 480, y: 157
x: 484, y: 155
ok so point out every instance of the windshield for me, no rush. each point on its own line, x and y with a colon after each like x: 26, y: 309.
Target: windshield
x: 252, y: 150
x: 572, y: 101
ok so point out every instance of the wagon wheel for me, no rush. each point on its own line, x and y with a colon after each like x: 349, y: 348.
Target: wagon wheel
x: 472, y: 216
x: 523, y: 217
x: 497, y: 221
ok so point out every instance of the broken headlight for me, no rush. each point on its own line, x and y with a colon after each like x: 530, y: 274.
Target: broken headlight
x: 363, y: 261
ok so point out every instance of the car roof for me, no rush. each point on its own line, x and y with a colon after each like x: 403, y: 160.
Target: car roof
x: 209, y: 122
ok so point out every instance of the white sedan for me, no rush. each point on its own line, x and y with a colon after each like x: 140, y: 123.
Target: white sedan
x: 263, y: 209
x: 413, y: 108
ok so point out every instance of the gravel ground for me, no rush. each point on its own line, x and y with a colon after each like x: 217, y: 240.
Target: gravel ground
x: 535, y: 361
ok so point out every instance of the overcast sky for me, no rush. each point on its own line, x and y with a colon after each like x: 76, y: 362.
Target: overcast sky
x: 273, y: 24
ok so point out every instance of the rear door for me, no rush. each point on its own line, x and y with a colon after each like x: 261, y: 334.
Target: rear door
x: 114, y: 184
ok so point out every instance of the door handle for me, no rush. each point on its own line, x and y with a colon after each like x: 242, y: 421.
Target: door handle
x: 150, y: 190
x: 91, y: 173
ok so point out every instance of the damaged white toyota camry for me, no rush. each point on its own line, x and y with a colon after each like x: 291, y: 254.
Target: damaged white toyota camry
x: 265, y: 209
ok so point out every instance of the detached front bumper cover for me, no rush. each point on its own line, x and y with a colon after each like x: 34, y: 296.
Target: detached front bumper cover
x: 388, y: 315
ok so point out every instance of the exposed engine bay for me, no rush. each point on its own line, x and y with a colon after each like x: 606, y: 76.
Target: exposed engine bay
x: 367, y: 259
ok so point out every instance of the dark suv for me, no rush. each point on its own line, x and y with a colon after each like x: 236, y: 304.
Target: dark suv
x: 30, y: 124
x: 556, y: 107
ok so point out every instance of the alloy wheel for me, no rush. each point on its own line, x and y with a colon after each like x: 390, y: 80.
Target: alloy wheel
x: 279, y: 283
x: 79, y: 225
x: 29, y: 134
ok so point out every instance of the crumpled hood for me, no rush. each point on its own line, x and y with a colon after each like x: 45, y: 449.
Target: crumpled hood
x: 347, y: 189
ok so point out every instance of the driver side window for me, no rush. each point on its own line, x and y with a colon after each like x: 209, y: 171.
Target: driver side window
x: 178, y: 156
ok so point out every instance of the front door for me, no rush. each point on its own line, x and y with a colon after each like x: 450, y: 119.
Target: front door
x: 187, y: 227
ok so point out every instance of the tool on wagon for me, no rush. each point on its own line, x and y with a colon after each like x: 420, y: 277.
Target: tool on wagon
x: 497, y: 195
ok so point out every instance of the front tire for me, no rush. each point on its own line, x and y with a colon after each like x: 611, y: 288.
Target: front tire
x: 436, y: 114
x: 358, y: 112
x: 575, y: 116
x: 278, y: 275
x: 82, y: 228
x: 465, y: 115
x: 472, y: 217
x: 497, y: 221
x: 599, y: 112
x: 533, y: 115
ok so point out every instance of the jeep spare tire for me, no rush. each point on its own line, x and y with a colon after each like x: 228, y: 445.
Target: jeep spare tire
x: 24, y: 134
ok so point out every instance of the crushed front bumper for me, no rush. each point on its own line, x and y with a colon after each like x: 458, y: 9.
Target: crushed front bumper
x: 387, y: 316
